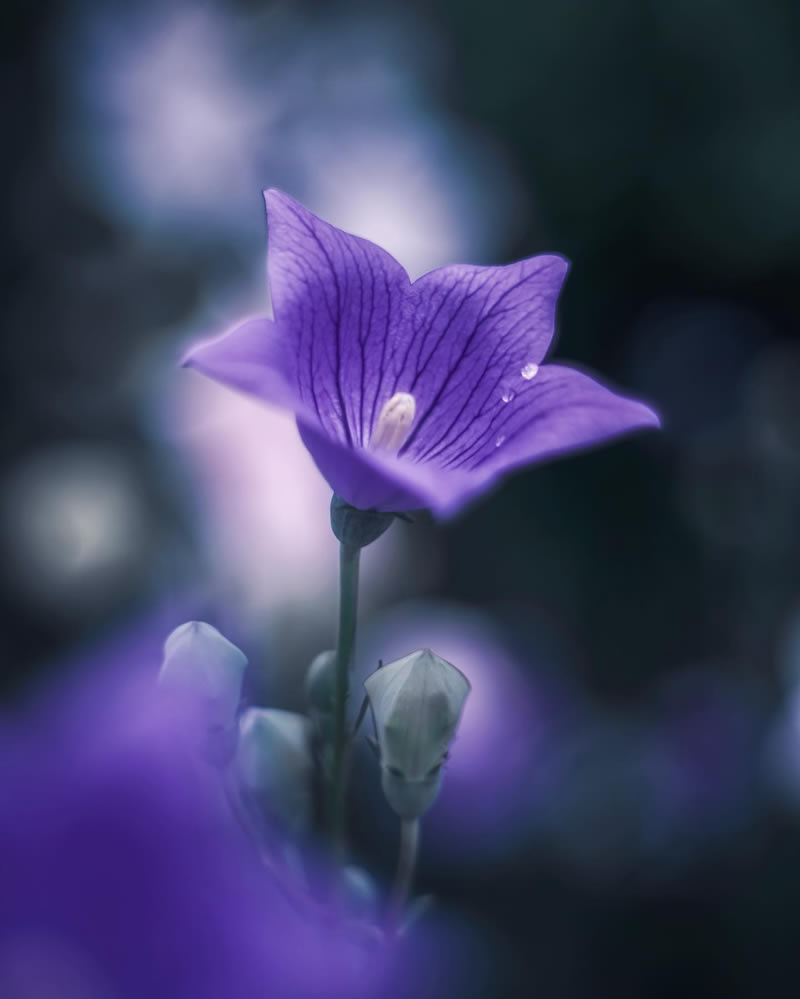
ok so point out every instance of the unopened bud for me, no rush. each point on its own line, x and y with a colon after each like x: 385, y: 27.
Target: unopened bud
x: 320, y: 683
x: 205, y: 671
x: 416, y: 703
x: 320, y: 691
x: 274, y: 767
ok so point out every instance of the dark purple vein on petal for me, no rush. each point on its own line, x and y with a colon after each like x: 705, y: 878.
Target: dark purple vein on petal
x: 444, y: 441
x: 422, y: 365
x: 511, y: 433
x: 337, y: 322
x: 363, y: 429
x: 419, y: 336
x: 386, y: 325
x: 463, y: 353
x: 492, y: 313
x: 360, y: 340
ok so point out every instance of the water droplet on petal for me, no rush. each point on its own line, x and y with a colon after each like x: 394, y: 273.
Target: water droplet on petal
x: 499, y: 440
x: 508, y: 395
x: 529, y: 371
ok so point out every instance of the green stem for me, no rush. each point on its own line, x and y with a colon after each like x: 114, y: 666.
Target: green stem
x: 348, y: 609
x: 406, y: 862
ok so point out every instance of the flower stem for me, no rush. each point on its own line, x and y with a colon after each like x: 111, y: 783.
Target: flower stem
x: 348, y: 609
x: 406, y: 862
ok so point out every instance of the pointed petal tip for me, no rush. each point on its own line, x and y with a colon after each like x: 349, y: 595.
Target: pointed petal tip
x: 556, y: 264
x: 274, y: 197
x: 650, y: 419
x: 562, y: 266
x: 188, y: 358
x: 192, y: 355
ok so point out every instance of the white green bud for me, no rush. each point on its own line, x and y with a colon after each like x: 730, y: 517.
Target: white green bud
x: 320, y: 683
x: 320, y: 691
x: 416, y: 703
x: 205, y: 670
x: 274, y: 766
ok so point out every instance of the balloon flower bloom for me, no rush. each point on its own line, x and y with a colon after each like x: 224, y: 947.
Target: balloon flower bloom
x: 412, y: 394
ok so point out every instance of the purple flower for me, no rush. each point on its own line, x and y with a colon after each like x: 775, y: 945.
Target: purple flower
x: 412, y: 394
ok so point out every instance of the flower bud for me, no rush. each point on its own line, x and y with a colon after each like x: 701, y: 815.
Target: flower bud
x: 205, y: 671
x: 416, y: 703
x: 320, y: 684
x: 320, y: 690
x: 274, y: 766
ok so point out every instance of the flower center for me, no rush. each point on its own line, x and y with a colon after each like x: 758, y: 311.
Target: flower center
x: 394, y: 423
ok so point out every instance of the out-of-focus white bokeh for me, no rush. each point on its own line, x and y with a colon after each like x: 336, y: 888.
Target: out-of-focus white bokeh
x: 182, y: 114
x: 75, y: 528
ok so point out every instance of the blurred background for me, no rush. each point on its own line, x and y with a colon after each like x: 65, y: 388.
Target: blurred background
x: 621, y: 816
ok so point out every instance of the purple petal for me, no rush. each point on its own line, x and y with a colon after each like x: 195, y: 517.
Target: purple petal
x: 339, y: 299
x: 471, y: 332
x: 375, y: 480
x: 558, y: 409
x: 252, y: 358
x: 362, y: 478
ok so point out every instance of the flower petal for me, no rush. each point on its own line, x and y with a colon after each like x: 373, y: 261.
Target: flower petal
x: 471, y: 332
x: 558, y: 409
x: 339, y: 300
x: 373, y: 480
x: 252, y: 358
x: 365, y: 479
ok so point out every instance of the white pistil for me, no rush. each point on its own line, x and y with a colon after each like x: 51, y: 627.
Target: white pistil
x: 394, y: 423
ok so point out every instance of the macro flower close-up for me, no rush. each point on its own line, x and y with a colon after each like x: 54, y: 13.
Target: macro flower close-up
x: 412, y: 394
x: 399, y: 485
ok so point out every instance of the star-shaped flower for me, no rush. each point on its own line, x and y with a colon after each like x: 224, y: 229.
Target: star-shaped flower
x: 412, y: 394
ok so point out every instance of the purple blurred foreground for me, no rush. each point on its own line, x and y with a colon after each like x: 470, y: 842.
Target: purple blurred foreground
x: 125, y: 875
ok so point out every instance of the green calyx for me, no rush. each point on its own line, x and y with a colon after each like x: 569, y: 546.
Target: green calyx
x: 357, y: 528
